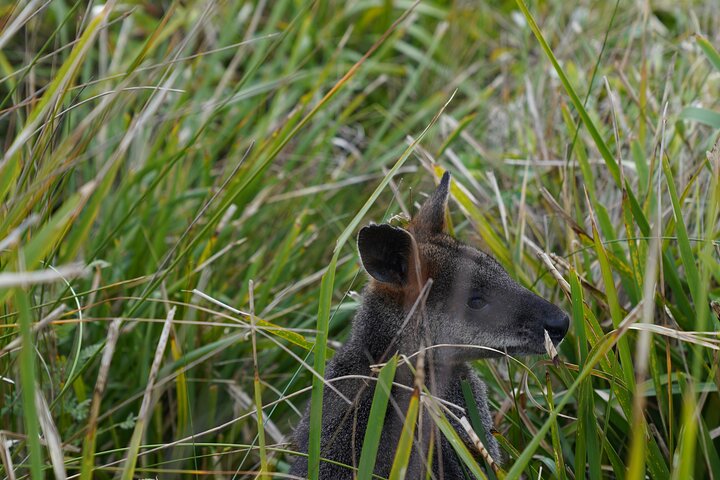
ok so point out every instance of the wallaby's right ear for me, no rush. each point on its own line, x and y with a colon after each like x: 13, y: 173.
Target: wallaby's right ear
x: 385, y: 253
x: 431, y: 217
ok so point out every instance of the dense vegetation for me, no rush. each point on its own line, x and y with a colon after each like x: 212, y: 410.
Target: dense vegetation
x: 178, y: 180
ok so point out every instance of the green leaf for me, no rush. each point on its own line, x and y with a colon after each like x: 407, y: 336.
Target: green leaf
x: 709, y: 51
x: 686, y: 253
x: 702, y: 115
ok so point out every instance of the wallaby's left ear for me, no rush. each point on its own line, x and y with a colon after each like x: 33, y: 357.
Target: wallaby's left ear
x: 385, y: 253
x: 431, y: 217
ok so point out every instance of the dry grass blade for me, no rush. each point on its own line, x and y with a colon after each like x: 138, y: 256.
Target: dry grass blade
x: 44, y: 322
x: 555, y: 273
x: 550, y: 348
x: 142, y: 417
x: 478, y: 443
x: 88, y: 459
x: 25, y: 279
x: 52, y: 436
x: 696, y: 338
x: 13, y: 25
x: 6, y: 458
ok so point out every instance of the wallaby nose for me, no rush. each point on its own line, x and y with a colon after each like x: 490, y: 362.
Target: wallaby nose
x: 557, y: 325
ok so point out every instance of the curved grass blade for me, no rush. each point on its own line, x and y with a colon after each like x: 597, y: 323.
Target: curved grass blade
x: 709, y: 51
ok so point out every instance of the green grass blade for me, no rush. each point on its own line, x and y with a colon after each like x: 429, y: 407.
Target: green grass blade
x: 51, y: 100
x: 28, y: 375
x: 316, y: 400
x: 709, y: 51
x: 407, y: 438
x: 610, y: 162
x: 376, y: 420
x: 555, y: 433
x: 587, y: 438
x: 686, y: 253
x: 456, y: 442
x: 702, y: 115
x: 615, y: 310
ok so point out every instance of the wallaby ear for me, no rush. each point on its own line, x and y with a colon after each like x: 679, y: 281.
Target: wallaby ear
x: 385, y: 253
x: 431, y: 217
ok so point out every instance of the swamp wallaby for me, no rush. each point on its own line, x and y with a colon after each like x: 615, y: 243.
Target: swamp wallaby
x: 429, y: 293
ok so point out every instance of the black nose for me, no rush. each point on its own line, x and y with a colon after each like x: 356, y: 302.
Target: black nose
x: 557, y: 326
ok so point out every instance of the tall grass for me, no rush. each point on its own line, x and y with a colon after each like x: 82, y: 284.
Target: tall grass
x: 159, y: 159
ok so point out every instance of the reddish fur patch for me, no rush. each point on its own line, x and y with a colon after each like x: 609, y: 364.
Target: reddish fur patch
x: 418, y: 274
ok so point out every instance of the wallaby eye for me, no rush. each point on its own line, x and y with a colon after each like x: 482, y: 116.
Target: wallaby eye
x: 476, y: 302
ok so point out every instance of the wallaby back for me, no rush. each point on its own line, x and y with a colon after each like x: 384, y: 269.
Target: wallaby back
x: 432, y: 294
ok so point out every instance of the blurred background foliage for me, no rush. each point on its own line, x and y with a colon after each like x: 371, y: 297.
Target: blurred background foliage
x: 163, y: 155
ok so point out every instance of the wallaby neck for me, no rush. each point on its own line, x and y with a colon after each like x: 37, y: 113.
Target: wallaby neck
x: 382, y: 328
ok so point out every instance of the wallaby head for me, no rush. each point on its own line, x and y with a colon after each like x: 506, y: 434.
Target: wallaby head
x: 456, y: 294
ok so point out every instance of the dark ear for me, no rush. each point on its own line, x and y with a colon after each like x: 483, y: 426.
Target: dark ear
x: 431, y: 217
x: 385, y: 253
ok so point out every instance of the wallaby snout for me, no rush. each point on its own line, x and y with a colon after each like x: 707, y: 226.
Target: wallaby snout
x: 557, y: 323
